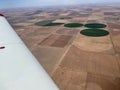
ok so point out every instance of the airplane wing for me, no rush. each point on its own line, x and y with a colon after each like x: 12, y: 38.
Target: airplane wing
x: 19, y: 69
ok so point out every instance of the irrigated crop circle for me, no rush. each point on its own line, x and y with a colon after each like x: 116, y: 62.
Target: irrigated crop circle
x: 47, y: 23
x: 95, y: 25
x: 94, y: 32
x: 73, y: 25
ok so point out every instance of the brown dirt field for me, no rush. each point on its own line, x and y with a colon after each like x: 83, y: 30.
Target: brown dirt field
x: 116, y: 42
x: 78, y: 60
x: 56, y: 41
x: 66, y: 31
x: 62, y: 41
x: 34, y: 35
x: 109, y: 13
x: 70, y: 80
x: 49, y: 40
x: 118, y: 58
x: 79, y: 19
x: 48, y: 57
x: 101, y: 82
x: 61, y: 21
x: 94, y: 44
x: 81, y: 70
x: 114, y: 25
x: 115, y: 32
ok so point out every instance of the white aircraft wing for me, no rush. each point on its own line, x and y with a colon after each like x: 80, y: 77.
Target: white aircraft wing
x: 19, y: 69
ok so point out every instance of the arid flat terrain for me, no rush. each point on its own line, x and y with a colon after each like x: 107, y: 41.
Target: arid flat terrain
x: 73, y: 60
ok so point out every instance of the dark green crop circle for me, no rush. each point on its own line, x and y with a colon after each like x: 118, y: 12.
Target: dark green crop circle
x: 94, y: 32
x: 53, y: 24
x: 73, y: 25
x: 47, y: 23
x: 43, y: 23
x: 95, y: 25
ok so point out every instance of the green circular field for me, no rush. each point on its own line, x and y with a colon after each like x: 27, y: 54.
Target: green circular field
x: 66, y: 18
x: 47, y: 23
x: 94, y: 32
x: 43, y: 23
x: 95, y: 25
x: 73, y: 25
x: 53, y: 24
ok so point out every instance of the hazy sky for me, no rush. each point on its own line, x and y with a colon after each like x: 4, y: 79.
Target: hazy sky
x: 29, y: 3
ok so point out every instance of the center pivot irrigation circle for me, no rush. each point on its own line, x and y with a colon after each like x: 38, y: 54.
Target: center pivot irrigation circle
x: 47, y: 23
x: 94, y: 32
x: 73, y: 25
x: 95, y: 25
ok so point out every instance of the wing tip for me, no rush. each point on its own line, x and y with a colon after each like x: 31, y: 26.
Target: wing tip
x: 2, y: 47
x: 1, y: 15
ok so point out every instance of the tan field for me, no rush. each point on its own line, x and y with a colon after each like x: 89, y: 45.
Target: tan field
x: 73, y: 60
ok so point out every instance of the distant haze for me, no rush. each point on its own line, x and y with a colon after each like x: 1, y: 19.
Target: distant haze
x: 33, y: 3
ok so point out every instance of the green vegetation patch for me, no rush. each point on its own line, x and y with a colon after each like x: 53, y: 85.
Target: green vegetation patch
x: 47, y: 23
x: 66, y: 18
x: 94, y: 32
x: 43, y: 23
x: 95, y: 25
x: 73, y: 25
x: 53, y: 24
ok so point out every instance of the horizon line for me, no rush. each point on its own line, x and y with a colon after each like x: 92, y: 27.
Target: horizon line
x: 43, y: 6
